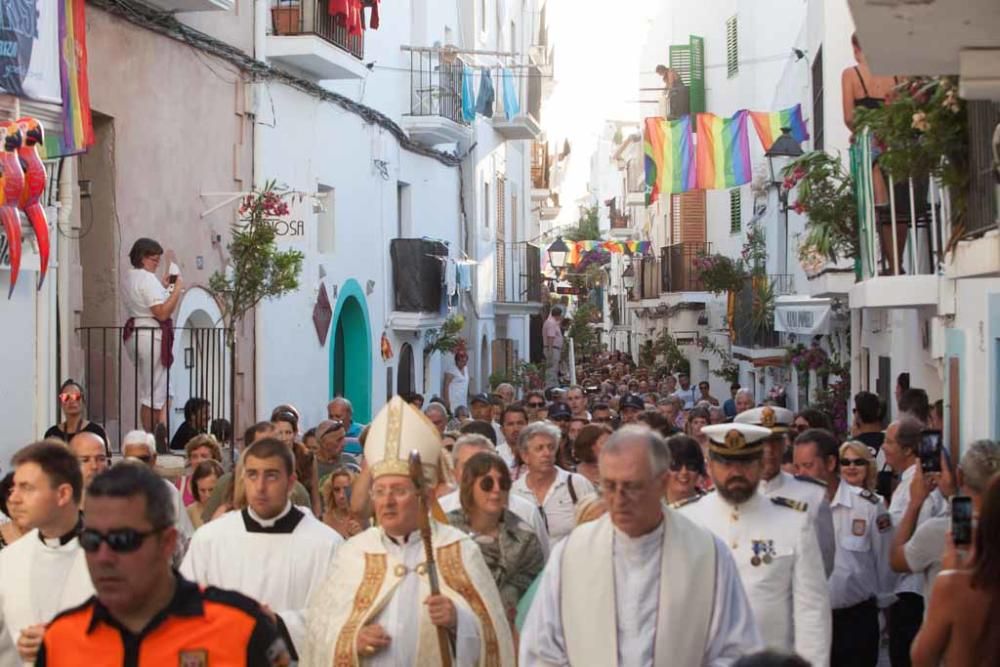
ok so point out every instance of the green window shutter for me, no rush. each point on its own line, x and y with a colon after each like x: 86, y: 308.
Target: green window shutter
x: 680, y: 62
x: 697, y: 84
x: 735, y: 212
x: 732, y: 48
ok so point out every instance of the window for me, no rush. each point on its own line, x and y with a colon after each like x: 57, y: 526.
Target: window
x: 735, y: 212
x: 732, y: 48
x: 501, y: 197
x: 325, y: 231
x: 482, y: 11
x: 817, y: 94
x: 486, y: 205
x: 404, y: 216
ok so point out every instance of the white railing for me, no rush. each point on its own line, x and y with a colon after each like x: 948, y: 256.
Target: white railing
x: 925, y: 210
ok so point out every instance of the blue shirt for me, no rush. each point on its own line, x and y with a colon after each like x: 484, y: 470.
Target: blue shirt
x: 729, y: 407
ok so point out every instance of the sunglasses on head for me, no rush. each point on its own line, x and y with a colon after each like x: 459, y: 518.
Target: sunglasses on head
x: 121, y: 541
x: 68, y: 396
x: 487, y: 484
x: 846, y: 463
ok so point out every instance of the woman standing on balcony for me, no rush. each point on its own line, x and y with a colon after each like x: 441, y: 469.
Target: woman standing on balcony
x: 71, y: 400
x: 150, y: 303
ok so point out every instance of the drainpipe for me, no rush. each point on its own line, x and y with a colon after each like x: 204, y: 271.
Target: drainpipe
x: 260, y: 53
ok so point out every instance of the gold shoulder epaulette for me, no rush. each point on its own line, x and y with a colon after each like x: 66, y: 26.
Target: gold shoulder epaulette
x: 789, y: 503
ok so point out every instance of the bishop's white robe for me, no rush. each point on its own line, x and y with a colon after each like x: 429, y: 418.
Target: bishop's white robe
x: 673, y: 597
x: 37, y: 581
x: 377, y: 579
x: 278, y: 562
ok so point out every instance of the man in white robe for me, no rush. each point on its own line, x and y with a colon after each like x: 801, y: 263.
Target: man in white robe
x: 668, y: 588
x: 376, y: 606
x: 271, y: 551
x: 45, y: 571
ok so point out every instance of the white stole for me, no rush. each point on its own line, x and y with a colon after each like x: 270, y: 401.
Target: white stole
x: 686, y: 595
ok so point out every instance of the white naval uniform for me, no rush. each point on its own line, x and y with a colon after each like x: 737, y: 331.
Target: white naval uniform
x: 789, y: 594
x: 277, y: 562
x: 524, y: 509
x: 813, y: 494
x: 864, y: 541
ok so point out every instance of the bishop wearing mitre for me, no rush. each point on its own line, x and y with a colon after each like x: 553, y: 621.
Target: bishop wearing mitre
x: 376, y: 605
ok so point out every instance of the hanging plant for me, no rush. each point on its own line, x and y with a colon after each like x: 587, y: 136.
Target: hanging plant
x: 825, y: 195
x: 718, y: 273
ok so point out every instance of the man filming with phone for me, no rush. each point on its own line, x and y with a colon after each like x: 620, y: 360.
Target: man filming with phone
x: 903, y: 440
x: 921, y: 549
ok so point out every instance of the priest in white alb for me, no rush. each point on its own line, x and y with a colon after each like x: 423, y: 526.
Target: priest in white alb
x: 642, y: 585
x: 271, y: 551
x: 376, y: 606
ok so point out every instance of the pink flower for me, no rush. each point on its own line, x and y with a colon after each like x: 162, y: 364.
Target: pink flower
x: 799, y: 207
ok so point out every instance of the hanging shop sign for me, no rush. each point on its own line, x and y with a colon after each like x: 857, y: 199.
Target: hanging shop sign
x: 802, y: 315
x: 29, y: 49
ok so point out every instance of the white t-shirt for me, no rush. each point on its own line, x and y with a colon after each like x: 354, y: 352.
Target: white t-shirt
x: 458, y: 390
x: 558, y: 510
x: 141, y: 291
x: 925, y: 549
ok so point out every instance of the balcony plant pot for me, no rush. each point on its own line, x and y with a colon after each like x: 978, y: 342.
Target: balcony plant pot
x: 286, y: 18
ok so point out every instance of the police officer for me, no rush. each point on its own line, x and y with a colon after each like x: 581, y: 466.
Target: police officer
x: 776, y: 482
x: 861, y: 576
x: 772, y: 540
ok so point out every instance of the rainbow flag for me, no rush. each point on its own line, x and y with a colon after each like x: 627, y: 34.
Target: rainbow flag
x: 669, y: 163
x: 723, y: 152
x: 78, y: 130
x: 769, y: 123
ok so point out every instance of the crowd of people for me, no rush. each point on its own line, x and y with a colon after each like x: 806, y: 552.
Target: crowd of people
x: 633, y: 519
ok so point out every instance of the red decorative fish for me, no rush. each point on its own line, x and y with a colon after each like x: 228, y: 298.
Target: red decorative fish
x: 34, y: 185
x: 11, y: 184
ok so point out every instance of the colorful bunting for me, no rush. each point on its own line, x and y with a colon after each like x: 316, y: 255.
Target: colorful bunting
x: 769, y: 123
x: 723, y: 152
x: 669, y: 162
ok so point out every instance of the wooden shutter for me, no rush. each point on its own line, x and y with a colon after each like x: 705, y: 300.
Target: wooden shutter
x: 501, y: 253
x: 818, y: 132
x: 692, y: 217
x: 697, y: 85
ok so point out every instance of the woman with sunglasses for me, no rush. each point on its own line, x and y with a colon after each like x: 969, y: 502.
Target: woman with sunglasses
x: 510, y: 548
x: 686, y: 472
x: 72, y: 403
x: 857, y: 465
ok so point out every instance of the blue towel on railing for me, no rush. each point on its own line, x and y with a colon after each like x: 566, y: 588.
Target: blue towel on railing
x: 468, y: 96
x: 511, y: 107
x: 484, y: 101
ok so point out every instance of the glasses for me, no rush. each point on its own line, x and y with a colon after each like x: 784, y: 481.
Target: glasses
x: 536, y: 405
x: 486, y: 484
x: 68, y: 396
x: 397, y: 492
x: 121, y: 541
x: 675, y: 466
x: 846, y: 463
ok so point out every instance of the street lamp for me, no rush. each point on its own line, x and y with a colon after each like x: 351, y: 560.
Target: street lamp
x: 628, y: 277
x: 558, y: 253
x: 779, y: 156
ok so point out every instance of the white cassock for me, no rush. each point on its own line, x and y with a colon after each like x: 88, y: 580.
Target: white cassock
x: 776, y: 552
x: 673, y: 595
x: 376, y: 579
x: 278, y: 562
x: 37, y: 581
x: 525, y: 510
x: 812, y: 492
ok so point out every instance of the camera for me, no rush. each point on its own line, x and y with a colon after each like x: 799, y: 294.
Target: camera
x: 930, y: 451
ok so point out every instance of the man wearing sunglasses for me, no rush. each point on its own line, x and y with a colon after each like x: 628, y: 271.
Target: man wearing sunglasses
x: 271, y: 551
x: 44, y: 572
x: 861, y: 575
x: 144, y: 613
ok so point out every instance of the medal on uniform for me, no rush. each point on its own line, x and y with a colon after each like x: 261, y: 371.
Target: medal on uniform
x: 768, y: 552
x: 755, y: 561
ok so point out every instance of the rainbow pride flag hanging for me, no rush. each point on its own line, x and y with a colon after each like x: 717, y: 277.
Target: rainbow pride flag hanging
x: 769, y: 123
x: 723, y: 151
x: 78, y: 129
x: 669, y: 163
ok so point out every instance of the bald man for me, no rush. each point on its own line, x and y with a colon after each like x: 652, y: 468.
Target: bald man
x: 91, y: 451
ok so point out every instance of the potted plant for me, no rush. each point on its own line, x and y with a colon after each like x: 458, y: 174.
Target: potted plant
x: 717, y: 273
x: 826, y: 195
x: 286, y: 17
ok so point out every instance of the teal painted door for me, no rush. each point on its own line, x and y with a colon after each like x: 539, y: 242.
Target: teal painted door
x: 351, y: 353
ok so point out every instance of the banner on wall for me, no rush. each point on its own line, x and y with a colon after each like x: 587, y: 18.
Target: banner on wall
x: 29, y: 49
x: 802, y: 315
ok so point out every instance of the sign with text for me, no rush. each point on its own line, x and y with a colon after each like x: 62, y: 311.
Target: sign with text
x: 29, y: 49
x: 804, y: 318
x: 292, y: 227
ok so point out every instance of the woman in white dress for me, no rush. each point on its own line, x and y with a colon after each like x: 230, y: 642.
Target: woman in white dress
x: 149, y: 307
x: 456, y: 381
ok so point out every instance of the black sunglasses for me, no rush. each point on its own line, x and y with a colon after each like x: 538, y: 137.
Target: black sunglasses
x: 675, y: 466
x: 861, y: 463
x: 536, y: 405
x: 121, y: 541
x: 487, y: 483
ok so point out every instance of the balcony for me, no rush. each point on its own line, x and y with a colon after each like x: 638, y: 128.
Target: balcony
x: 418, y: 283
x: 540, y: 171
x: 525, y: 125
x: 519, y: 279
x: 435, y: 114
x: 752, y: 323
x: 635, y: 181
x: 678, y: 268
x: 646, y: 272
x: 193, y: 5
x: 902, y: 244
x: 307, y: 38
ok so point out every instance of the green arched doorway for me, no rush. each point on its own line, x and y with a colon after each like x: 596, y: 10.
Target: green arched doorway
x: 351, y: 351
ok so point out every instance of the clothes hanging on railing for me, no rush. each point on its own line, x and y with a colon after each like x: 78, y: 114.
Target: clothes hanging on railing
x: 511, y: 106
x: 350, y: 14
x: 373, y: 20
x: 484, y: 101
x: 465, y: 276
x: 468, y: 95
